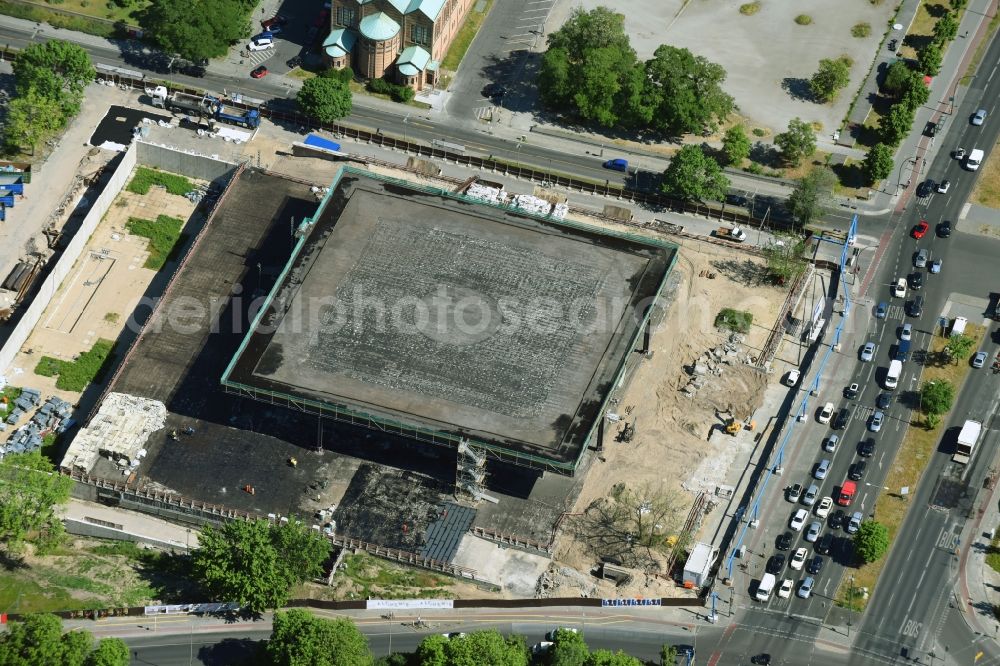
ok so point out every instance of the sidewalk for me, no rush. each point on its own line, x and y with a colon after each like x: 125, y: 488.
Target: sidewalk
x: 979, y: 582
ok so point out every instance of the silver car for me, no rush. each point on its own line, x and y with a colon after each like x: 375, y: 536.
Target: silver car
x: 868, y: 352
x: 906, y: 332
x: 806, y: 587
x: 830, y: 443
x: 821, y: 469
x: 812, y: 534
x: 855, y: 523
x: 979, y: 117
x: 812, y: 492
x: 935, y: 266
x: 920, y: 261
x: 875, y: 424
x: 979, y: 360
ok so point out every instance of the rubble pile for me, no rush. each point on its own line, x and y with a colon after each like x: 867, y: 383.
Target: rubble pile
x: 711, y: 363
x: 557, y: 580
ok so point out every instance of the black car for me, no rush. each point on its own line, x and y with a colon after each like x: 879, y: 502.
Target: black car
x: 892, y: 44
x: 944, y: 229
x: 856, y: 472
x: 866, y: 449
x: 815, y: 565
x: 925, y: 188
x: 843, y: 416
x: 931, y: 129
x: 825, y: 544
x: 776, y: 564
x: 494, y: 91
x: 916, y: 280
x: 883, y: 400
x: 851, y: 392
x: 762, y: 659
x: 836, y: 519
x: 784, y: 541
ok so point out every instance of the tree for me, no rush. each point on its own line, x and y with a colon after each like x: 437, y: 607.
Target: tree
x: 110, y: 652
x: 810, y: 195
x: 30, y: 490
x: 325, y: 99
x: 898, y: 78
x: 568, y: 649
x: 668, y: 655
x: 916, y: 94
x: 197, y: 34
x: 433, y: 651
x: 878, y: 163
x: 936, y: 397
x: 796, y: 143
x: 784, y: 258
x: 38, y: 639
x: 871, y: 541
x: 687, y: 90
x: 929, y: 59
x: 58, y: 70
x: 735, y: 145
x: 299, y: 637
x: 896, y: 124
x: 832, y: 75
x: 693, y: 176
x: 591, y: 71
x: 946, y: 28
x: 486, y: 647
x: 959, y: 347
x: 609, y: 658
x: 30, y: 117
x: 255, y: 563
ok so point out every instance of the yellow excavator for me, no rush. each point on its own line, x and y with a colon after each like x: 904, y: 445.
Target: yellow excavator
x: 733, y: 426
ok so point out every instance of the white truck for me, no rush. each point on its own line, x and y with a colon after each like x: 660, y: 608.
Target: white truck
x: 958, y: 326
x: 765, y: 588
x: 967, y: 439
x: 974, y: 159
x: 892, y: 377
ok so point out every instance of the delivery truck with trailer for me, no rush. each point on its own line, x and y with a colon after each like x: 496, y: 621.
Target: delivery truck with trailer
x: 967, y: 438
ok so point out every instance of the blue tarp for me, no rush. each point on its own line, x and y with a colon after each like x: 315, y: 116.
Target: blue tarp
x: 320, y: 142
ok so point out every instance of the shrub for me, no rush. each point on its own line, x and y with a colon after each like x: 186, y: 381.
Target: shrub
x: 734, y: 320
x: 76, y: 375
x: 803, y: 19
x: 759, y: 131
x: 861, y: 30
x: 163, y: 235
x: 750, y: 8
x: 379, y: 86
x: 402, y: 94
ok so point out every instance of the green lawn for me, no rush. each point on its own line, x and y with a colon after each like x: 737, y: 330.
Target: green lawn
x: 76, y: 375
x: 163, y: 234
x: 145, y: 178
x: 465, y: 36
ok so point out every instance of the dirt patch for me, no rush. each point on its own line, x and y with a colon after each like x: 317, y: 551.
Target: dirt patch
x: 673, y: 429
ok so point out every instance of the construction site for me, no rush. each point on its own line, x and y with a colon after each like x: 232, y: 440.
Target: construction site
x: 429, y: 365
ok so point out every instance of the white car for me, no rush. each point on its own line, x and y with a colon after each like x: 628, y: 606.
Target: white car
x: 824, y: 506
x: 979, y: 360
x: 260, y: 44
x: 785, y: 590
x: 899, y: 288
x: 906, y: 332
x: 830, y: 443
x: 798, y: 559
x: 792, y: 378
x: 798, y: 520
x: 826, y: 413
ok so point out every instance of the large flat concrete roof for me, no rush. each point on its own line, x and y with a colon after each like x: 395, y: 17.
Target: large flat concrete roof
x: 428, y: 309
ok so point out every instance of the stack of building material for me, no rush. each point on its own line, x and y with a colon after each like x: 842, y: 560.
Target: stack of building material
x: 118, y: 431
x: 27, y: 401
x: 559, y: 210
x: 53, y: 416
x: 531, y: 204
x: 493, y: 195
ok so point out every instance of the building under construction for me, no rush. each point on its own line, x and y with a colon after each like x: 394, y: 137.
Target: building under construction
x: 432, y: 315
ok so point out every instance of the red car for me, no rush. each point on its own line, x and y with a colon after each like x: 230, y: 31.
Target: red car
x: 261, y: 72
x: 921, y: 229
x: 273, y: 21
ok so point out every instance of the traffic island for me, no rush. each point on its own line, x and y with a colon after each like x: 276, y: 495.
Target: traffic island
x: 915, y: 452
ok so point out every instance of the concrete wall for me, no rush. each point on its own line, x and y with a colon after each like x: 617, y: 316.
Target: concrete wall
x: 200, y: 167
x: 84, y: 528
x: 33, y: 313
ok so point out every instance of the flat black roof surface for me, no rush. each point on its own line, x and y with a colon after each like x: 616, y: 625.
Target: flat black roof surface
x: 431, y: 310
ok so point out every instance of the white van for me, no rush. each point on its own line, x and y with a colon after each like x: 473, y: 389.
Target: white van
x: 892, y: 377
x: 974, y: 159
x: 766, y: 587
x: 958, y: 328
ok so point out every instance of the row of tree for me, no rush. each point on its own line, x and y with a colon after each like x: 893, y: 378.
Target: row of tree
x: 50, y: 78
x: 39, y: 639
x: 590, y: 72
x: 905, y: 83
